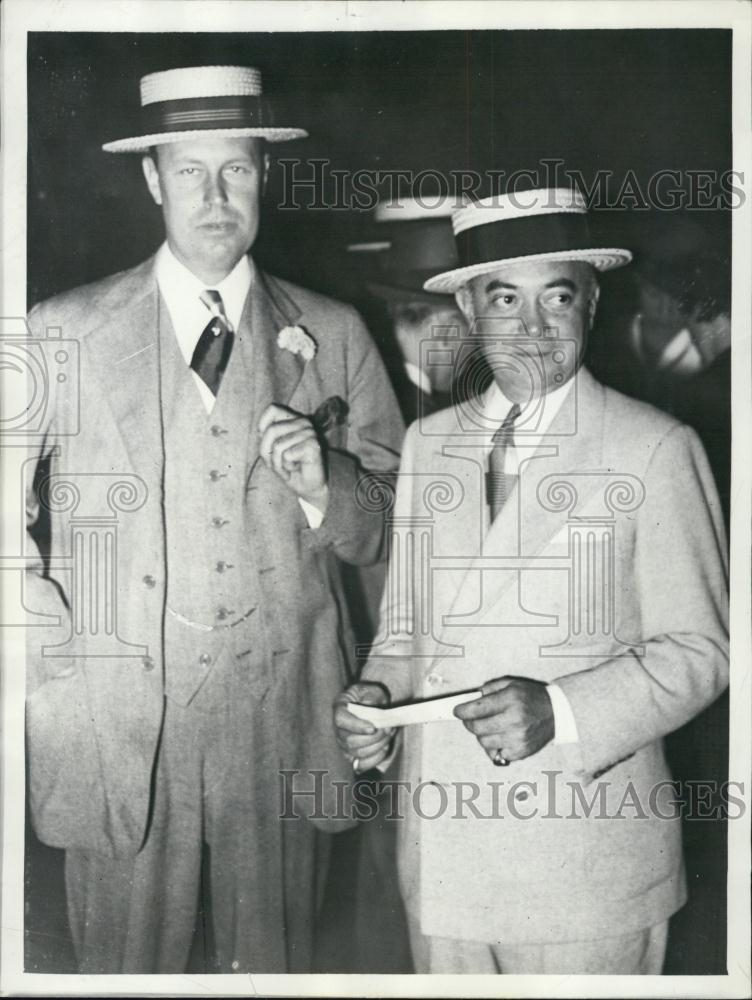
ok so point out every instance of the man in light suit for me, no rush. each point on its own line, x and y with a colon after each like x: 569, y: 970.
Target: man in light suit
x: 227, y: 418
x: 577, y: 591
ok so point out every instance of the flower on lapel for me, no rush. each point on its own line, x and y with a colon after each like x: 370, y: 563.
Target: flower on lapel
x: 297, y: 341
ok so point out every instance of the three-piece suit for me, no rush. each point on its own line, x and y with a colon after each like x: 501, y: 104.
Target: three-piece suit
x: 157, y: 765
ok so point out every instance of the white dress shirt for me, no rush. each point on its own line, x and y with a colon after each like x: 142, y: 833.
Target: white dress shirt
x: 540, y: 413
x: 418, y: 377
x: 181, y: 290
x: 680, y: 356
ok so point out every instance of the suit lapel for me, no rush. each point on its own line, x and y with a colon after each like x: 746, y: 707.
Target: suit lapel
x: 275, y: 372
x: 526, y: 525
x: 124, y: 351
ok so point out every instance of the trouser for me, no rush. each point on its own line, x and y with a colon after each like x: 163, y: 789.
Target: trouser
x: 209, y: 839
x: 641, y: 953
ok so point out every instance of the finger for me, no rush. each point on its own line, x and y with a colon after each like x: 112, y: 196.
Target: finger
x: 280, y: 429
x: 496, y: 752
x: 367, y: 741
x: 497, y: 684
x: 302, y: 449
x: 490, y: 725
x: 480, y: 708
x: 272, y: 414
x: 344, y: 719
x: 371, y: 760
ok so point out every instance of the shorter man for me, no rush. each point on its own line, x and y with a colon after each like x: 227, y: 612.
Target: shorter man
x: 562, y: 521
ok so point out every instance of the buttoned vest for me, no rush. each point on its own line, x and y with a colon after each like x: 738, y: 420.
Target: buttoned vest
x: 212, y: 590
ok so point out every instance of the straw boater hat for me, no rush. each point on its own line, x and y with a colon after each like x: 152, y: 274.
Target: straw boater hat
x: 187, y: 103
x: 538, y: 225
x: 412, y: 241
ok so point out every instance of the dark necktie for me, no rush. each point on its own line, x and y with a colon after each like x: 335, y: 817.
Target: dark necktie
x: 499, y: 484
x: 215, y: 343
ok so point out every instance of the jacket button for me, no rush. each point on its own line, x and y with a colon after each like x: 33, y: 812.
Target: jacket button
x: 223, y: 613
x: 149, y: 582
x: 147, y: 663
x: 522, y: 795
x: 204, y: 659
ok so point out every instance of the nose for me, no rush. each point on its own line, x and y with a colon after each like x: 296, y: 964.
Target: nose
x: 214, y: 190
x: 532, y: 319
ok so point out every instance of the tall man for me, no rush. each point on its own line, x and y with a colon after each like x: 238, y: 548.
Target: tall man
x: 572, y: 574
x: 240, y: 412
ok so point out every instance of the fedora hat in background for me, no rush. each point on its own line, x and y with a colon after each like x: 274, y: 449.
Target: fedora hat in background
x: 533, y: 225
x: 193, y: 101
x: 411, y: 242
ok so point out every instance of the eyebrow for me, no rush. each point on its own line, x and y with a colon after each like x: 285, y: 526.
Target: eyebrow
x: 493, y: 286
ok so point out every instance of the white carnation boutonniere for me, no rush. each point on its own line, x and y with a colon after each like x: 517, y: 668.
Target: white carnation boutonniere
x: 297, y: 341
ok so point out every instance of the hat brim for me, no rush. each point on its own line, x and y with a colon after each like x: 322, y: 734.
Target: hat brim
x: 600, y: 259
x: 397, y: 293
x: 142, y: 143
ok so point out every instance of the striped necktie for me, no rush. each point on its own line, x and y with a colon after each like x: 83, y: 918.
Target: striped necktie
x: 213, y: 349
x: 499, y: 484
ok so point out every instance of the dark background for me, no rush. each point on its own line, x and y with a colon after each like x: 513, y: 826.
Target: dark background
x: 621, y: 100
x: 618, y: 100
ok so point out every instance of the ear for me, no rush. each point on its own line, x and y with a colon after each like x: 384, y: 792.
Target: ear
x: 265, y: 174
x: 464, y: 299
x: 595, y: 293
x: 151, y: 173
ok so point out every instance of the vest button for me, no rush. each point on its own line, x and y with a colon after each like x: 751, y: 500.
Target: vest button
x: 147, y: 663
x: 217, y: 430
x: 204, y: 659
x: 222, y: 566
x: 149, y: 581
x: 218, y: 522
x: 214, y: 475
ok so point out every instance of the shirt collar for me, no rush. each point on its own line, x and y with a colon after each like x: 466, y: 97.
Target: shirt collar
x: 418, y: 377
x: 181, y: 290
x: 495, y: 406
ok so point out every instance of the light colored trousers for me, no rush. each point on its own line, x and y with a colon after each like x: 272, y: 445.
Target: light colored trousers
x: 641, y: 953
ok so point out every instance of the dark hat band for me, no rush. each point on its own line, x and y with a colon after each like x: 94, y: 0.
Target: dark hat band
x: 523, y: 237
x: 189, y: 114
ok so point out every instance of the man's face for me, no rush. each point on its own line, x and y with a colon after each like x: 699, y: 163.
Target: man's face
x: 426, y: 329
x: 209, y: 190
x: 538, y: 306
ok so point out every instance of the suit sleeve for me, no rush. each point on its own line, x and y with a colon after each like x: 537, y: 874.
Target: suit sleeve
x: 42, y: 595
x: 389, y: 662
x: 680, y: 573
x: 353, y: 527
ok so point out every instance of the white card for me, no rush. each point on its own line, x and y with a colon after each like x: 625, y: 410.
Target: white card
x: 433, y: 710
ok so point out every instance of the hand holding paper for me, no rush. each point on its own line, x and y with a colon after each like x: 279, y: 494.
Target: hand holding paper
x: 358, y: 738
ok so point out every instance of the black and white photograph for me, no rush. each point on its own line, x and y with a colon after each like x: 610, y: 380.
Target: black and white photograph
x: 377, y: 508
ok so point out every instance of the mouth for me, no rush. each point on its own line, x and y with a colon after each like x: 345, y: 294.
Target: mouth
x: 225, y: 226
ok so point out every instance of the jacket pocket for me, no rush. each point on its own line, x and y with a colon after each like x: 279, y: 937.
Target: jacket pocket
x: 66, y: 791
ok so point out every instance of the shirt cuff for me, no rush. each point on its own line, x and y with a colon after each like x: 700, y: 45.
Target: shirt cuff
x: 565, y: 727
x: 313, y: 514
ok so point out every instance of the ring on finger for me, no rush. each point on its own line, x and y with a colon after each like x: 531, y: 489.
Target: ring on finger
x: 499, y: 759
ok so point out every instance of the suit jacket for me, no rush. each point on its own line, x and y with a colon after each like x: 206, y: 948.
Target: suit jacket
x: 93, y: 724
x: 638, y: 644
